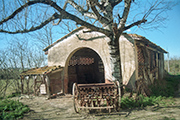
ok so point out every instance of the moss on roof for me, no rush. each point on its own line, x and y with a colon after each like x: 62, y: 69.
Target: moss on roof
x: 41, y: 70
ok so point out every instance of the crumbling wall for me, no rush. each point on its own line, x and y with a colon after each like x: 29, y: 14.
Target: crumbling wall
x: 150, y: 67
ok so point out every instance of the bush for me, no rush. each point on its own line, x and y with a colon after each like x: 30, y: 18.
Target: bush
x: 10, y: 109
x: 160, y: 93
x: 14, y: 95
x: 141, y: 101
x: 167, y: 90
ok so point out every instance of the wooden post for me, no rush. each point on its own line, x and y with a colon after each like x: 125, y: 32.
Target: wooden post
x: 27, y: 82
x: 22, y: 87
x: 48, y: 86
x: 34, y: 82
x: 62, y: 81
x: 162, y: 65
x: 157, y: 66
x: 45, y: 82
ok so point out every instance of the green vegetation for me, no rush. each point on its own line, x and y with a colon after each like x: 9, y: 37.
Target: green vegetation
x: 166, y: 88
x: 141, y: 101
x: 162, y: 94
x: 14, y: 95
x: 10, y: 109
x: 12, y: 87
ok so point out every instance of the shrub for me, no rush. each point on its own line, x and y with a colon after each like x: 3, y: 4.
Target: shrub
x: 10, y: 109
x: 14, y: 95
x: 161, y: 91
x: 167, y: 90
x: 141, y: 101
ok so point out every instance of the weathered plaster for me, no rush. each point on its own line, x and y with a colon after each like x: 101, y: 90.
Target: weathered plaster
x: 60, y: 53
x: 127, y: 52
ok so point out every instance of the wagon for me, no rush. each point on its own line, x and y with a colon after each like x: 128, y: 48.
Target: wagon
x: 96, y: 96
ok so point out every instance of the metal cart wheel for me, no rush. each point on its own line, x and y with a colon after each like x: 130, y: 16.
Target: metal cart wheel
x: 75, y: 97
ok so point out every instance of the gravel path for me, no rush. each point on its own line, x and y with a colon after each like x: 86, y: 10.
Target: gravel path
x: 61, y: 108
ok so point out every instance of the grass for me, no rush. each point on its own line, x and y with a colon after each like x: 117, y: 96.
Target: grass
x: 10, y: 109
x: 13, y: 89
x: 141, y: 102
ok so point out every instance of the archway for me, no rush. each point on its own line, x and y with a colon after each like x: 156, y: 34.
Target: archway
x: 85, y: 66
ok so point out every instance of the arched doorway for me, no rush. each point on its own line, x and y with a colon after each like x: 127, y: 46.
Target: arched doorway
x: 85, y: 66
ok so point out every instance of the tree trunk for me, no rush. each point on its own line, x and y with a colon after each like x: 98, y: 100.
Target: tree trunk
x: 115, y: 59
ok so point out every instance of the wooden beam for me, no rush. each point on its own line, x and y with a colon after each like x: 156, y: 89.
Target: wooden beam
x: 148, y: 47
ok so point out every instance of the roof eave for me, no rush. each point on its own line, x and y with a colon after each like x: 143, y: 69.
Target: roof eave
x: 146, y: 41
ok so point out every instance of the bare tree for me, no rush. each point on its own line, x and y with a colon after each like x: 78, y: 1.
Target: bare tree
x: 17, y: 57
x: 110, y: 17
x: 3, y: 74
x: 44, y: 37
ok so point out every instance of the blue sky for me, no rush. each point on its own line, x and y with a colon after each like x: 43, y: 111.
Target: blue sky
x: 168, y: 38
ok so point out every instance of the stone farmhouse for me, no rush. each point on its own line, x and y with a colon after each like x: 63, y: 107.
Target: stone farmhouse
x: 83, y: 57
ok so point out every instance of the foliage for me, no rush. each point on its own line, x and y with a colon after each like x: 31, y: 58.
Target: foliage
x: 141, y: 101
x: 162, y: 93
x: 10, y: 109
x: 14, y: 95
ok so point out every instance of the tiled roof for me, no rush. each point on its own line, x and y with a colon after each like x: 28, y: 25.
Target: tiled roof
x: 41, y: 70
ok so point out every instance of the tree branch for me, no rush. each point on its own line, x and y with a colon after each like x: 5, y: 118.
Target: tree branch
x: 53, y: 17
x: 67, y: 15
x: 127, y: 4
x: 115, y: 2
x: 135, y: 24
x: 64, y: 15
x: 80, y: 9
x: 99, y: 16
x: 100, y: 6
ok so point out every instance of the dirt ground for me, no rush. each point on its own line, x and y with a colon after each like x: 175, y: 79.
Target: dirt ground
x: 61, y: 108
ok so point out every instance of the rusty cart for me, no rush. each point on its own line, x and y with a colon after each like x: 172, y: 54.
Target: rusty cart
x: 96, y: 96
